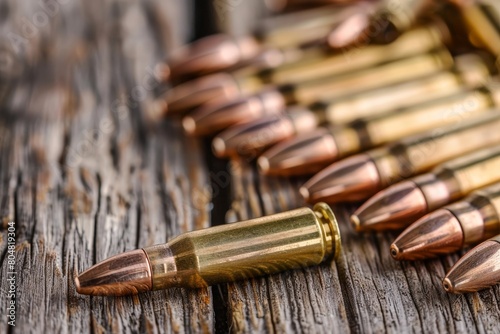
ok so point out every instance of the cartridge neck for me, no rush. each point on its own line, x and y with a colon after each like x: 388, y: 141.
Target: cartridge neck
x: 473, y: 216
x: 390, y: 167
x: 163, y: 266
x: 438, y: 189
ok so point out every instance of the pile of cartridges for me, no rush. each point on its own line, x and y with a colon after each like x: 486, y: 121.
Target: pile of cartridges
x: 390, y: 102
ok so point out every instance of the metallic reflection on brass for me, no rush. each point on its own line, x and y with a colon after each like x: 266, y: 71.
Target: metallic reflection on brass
x: 261, y: 246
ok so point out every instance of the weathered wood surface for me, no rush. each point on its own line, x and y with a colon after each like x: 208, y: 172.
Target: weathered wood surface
x: 86, y: 172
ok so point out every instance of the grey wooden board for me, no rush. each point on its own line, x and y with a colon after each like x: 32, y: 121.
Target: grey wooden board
x: 87, y: 172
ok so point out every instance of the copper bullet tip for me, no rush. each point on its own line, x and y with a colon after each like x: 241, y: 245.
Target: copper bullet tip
x: 120, y: 275
x: 216, y: 88
x: 162, y: 72
x: 219, y: 147
x: 263, y: 165
x: 305, y: 193
x: 448, y: 286
x: 350, y: 31
x: 157, y: 109
x: 77, y: 285
x: 477, y: 270
x: 304, y: 154
x: 356, y: 223
x: 189, y: 125
x: 213, y: 118
x: 395, y: 251
x: 249, y: 139
x: 212, y: 53
x: 435, y: 234
x: 348, y: 180
x: 392, y: 208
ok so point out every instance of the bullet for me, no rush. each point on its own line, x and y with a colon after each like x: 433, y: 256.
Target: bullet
x: 226, y: 253
x: 362, y: 175
x: 222, y: 52
x: 477, y: 270
x: 404, y: 202
x: 214, y: 118
x: 313, y: 64
x: 394, y: 18
x: 251, y: 138
x: 449, y: 229
x: 335, y: 142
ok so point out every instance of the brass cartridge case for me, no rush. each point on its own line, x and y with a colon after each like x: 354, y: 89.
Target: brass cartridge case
x: 256, y: 247
x: 422, y: 152
x: 382, y: 129
x: 225, y: 253
x: 470, y: 71
x: 357, y: 81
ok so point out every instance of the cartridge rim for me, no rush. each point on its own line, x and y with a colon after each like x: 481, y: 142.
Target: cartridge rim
x: 327, y: 215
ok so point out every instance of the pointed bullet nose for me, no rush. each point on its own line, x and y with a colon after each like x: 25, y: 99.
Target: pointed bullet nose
x: 476, y: 270
x: 120, y: 275
x: 161, y: 72
x: 448, y: 285
x: 349, y: 32
x: 211, y: 89
x: 214, y: 118
x: 394, y: 250
x: 356, y: 223
x: 305, y: 193
x: 351, y: 179
x: 219, y: 147
x: 251, y: 138
x: 212, y: 53
x: 263, y: 165
x: 435, y: 234
x: 391, y: 209
x: 302, y: 155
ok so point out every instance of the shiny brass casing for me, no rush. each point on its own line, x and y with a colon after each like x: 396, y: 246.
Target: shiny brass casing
x: 266, y: 245
x: 470, y: 71
x: 357, y: 81
x: 421, y: 152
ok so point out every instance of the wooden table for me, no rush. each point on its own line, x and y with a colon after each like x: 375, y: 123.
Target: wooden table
x: 87, y: 171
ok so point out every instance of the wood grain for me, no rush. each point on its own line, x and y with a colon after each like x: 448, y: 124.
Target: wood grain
x: 88, y: 171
